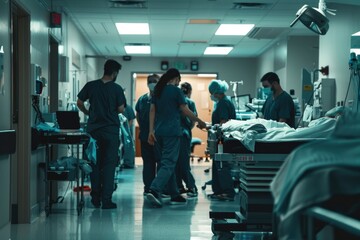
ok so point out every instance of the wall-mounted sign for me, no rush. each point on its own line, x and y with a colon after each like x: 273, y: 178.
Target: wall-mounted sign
x: 55, y: 20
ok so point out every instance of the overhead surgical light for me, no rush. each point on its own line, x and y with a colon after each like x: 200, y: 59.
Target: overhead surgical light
x: 314, y: 18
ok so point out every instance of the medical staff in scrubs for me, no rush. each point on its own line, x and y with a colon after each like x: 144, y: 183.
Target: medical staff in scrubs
x: 148, y: 154
x: 224, y: 110
x: 183, y: 170
x: 165, y: 132
x: 106, y: 100
x: 279, y: 105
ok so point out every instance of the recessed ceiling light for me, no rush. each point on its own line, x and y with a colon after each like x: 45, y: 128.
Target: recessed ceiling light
x: 234, y: 29
x: 218, y: 50
x: 133, y: 28
x: 137, y: 49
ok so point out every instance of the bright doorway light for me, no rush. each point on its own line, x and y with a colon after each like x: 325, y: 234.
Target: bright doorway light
x: 133, y: 28
x: 234, y: 29
x: 211, y: 75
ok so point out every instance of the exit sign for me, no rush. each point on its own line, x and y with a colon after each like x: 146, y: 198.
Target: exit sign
x: 55, y: 20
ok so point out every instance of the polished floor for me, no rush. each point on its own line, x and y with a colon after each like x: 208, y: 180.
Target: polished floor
x: 134, y: 218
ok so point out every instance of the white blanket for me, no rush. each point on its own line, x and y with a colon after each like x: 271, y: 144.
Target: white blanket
x: 247, y: 132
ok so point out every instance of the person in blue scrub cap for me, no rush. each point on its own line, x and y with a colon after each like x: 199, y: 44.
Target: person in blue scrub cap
x: 279, y: 105
x: 224, y: 110
x: 165, y: 132
x: 148, y: 153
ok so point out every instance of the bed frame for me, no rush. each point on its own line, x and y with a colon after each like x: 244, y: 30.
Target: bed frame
x: 256, y: 173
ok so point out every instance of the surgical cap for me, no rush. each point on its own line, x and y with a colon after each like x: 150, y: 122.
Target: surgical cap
x: 218, y: 86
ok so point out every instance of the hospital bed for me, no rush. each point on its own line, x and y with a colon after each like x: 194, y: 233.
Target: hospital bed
x: 319, y: 183
x: 255, y: 163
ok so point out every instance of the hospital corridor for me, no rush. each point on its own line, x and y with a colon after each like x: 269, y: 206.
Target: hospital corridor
x: 179, y: 119
x: 134, y: 218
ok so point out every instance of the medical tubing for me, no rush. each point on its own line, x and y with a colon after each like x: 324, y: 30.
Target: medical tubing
x: 302, y: 113
x: 347, y: 91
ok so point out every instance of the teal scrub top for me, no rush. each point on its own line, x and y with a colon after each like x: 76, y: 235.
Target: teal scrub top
x: 186, y: 123
x: 223, y: 110
x: 167, y: 114
x: 104, y: 99
x: 280, y: 107
x: 142, y: 108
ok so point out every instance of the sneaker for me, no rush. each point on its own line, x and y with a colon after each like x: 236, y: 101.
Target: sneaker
x: 109, y: 205
x: 165, y: 196
x: 154, y: 199
x: 177, y: 200
x: 225, y: 197
x: 192, y: 192
x: 182, y: 190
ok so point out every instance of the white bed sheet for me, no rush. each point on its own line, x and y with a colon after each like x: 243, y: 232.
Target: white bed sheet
x: 247, y: 132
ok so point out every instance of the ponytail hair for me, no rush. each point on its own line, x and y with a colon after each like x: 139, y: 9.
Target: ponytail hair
x: 164, y: 80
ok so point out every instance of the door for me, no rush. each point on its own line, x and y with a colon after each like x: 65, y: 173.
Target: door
x: 21, y: 114
x: 200, y: 95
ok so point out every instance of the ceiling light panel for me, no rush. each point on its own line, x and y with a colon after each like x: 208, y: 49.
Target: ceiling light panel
x: 218, y: 50
x: 234, y: 29
x: 133, y: 28
x: 137, y: 49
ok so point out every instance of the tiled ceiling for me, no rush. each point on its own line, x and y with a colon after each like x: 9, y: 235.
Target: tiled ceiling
x: 170, y: 33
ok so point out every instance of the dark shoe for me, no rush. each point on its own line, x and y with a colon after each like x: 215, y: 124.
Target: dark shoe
x: 177, y: 200
x: 225, y: 197
x: 95, y: 202
x: 192, y: 192
x: 182, y: 190
x: 109, y: 205
x: 154, y: 199
x: 165, y: 196
x: 214, y: 196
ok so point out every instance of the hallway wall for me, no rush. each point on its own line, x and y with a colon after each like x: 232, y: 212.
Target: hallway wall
x: 39, y: 50
x: 5, y: 120
x: 335, y: 47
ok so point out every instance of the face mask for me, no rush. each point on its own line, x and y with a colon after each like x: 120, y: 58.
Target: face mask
x: 267, y: 91
x: 213, y: 98
x: 151, y: 86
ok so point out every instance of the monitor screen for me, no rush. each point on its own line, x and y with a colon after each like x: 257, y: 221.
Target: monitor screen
x: 240, y: 101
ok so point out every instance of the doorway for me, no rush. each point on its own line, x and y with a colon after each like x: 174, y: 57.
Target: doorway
x: 200, y: 95
x: 21, y: 114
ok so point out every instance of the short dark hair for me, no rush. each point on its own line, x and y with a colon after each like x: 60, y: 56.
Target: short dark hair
x: 270, y: 77
x: 111, y: 66
x: 186, y: 87
x: 153, y: 77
